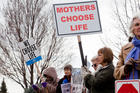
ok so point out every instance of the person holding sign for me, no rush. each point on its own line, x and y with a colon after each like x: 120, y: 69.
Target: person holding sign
x: 103, y: 81
x: 96, y: 66
x: 50, y: 83
x: 128, y: 66
x: 66, y: 78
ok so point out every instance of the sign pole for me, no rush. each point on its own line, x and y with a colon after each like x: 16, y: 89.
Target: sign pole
x: 38, y: 71
x: 81, y: 50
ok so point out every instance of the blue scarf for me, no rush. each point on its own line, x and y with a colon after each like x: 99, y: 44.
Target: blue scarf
x: 134, y: 53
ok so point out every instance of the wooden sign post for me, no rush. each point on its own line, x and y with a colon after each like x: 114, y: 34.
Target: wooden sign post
x: 81, y: 50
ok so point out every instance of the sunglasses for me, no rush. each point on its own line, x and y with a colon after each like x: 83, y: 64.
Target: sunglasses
x: 94, y: 65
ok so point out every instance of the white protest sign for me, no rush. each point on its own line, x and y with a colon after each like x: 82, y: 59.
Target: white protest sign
x: 30, y: 51
x: 77, y: 18
x: 71, y: 88
x: 76, y: 77
x: 77, y: 88
x: 66, y: 88
x: 76, y: 80
x: 127, y: 86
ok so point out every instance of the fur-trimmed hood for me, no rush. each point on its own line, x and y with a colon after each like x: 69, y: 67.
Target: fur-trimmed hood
x: 51, y: 72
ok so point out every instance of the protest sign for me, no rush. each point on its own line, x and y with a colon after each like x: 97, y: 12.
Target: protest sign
x: 76, y: 76
x: 30, y: 51
x: 66, y: 88
x: 76, y: 80
x: 77, y: 18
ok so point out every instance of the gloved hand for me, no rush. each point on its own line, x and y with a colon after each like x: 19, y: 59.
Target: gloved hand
x: 35, y: 87
x: 44, y: 84
x: 138, y: 64
x: 129, y: 66
x: 84, y: 71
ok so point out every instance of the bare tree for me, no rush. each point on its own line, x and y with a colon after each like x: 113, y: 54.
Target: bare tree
x: 25, y: 19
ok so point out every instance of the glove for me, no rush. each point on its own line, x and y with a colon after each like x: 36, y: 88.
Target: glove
x: 129, y: 66
x: 84, y: 71
x: 138, y: 64
x: 35, y: 87
x: 44, y: 84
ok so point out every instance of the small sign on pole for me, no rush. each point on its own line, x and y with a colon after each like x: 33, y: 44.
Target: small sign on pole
x: 77, y: 18
x: 127, y: 86
x: 30, y: 51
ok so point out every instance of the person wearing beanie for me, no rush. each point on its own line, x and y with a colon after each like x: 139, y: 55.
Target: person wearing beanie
x: 66, y: 78
x: 50, y: 83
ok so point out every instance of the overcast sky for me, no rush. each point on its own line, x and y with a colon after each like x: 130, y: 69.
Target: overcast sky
x: 91, y: 43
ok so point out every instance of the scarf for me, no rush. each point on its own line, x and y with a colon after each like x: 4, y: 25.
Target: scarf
x: 66, y: 79
x: 134, y: 53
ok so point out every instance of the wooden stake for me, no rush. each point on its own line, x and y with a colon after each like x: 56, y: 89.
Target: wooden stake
x: 81, y: 50
x: 38, y: 71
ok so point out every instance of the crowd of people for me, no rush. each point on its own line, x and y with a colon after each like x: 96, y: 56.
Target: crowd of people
x: 102, y: 80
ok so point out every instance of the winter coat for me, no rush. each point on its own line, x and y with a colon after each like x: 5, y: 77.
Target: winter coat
x: 58, y: 89
x: 119, y: 70
x: 51, y: 86
x: 102, y: 82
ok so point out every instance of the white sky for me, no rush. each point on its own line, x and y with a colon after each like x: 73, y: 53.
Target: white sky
x: 91, y: 43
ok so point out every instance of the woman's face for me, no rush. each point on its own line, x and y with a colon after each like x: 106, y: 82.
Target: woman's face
x: 100, y: 58
x: 48, y: 78
x: 136, y: 28
x: 67, y: 72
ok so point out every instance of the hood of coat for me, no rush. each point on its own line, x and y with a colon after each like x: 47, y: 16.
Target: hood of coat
x: 51, y: 72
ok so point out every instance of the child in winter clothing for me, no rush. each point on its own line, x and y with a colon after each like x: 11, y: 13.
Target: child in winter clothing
x: 65, y: 79
x: 50, y: 84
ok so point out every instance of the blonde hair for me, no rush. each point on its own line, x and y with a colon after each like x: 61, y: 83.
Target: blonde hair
x: 94, y: 58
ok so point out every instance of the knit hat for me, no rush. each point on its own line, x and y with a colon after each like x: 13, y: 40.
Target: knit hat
x: 68, y: 66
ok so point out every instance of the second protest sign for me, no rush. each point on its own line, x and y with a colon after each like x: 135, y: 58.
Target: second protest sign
x: 30, y: 51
